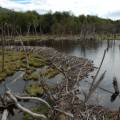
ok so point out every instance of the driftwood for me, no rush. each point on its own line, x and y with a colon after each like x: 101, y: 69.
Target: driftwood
x: 12, y: 97
x: 66, y: 100
x: 33, y: 98
x: 65, y: 113
x: 98, y: 68
x: 5, y: 115
x: 94, y: 86
x: 23, y: 108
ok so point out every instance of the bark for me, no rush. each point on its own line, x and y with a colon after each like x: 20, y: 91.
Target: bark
x: 3, y: 48
x: 5, y: 115
x: 23, y: 109
x: 28, y: 30
x: 34, y: 98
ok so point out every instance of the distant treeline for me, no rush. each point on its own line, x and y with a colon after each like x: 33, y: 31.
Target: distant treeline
x: 58, y: 23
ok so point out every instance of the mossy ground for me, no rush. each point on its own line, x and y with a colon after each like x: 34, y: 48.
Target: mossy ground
x: 34, y: 89
x: 12, y: 62
x: 16, y: 60
x: 50, y: 72
x: 33, y: 74
x: 42, y: 109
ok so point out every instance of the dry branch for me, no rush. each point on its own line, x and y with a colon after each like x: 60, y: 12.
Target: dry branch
x: 5, y: 115
x: 99, y: 68
x: 23, y: 108
x: 95, y: 86
x: 33, y: 98
x: 65, y: 113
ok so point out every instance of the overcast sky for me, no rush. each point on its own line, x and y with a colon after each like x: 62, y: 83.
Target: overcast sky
x: 102, y: 8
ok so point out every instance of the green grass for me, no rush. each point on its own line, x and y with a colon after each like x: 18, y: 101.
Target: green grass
x: 107, y: 37
x: 16, y: 60
x: 33, y: 37
x: 36, y: 62
x: 33, y: 76
x: 13, y: 62
x: 46, y: 37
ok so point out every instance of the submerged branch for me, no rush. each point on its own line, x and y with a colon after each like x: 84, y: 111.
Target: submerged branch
x: 99, y: 68
x: 95, y: 86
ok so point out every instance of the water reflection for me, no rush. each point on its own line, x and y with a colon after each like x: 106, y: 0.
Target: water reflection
x: 116, y: 89
x: 94, y: 50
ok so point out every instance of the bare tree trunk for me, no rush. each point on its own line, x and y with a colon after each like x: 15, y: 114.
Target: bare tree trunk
x: 28, y: 30
x: 35, y: 29
x: 3, y: 47
x: 8, y: 31
x: 24, y: 48
x: 40, y: 29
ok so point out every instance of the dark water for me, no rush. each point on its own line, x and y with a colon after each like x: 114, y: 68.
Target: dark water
x: 17, y: 85
x: 94, y: 50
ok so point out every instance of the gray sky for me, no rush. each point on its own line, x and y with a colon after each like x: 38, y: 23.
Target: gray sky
x: 101, y: 8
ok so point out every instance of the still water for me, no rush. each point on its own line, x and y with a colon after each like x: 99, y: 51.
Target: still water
x: 17, y: 85
x: 94, y: 50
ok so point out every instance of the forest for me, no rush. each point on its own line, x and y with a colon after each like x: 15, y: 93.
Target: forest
x: 71, y: 74
x: 58, y: 23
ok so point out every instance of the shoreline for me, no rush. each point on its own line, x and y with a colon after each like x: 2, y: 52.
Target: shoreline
x: 44, y: 38
x: 72, y: 66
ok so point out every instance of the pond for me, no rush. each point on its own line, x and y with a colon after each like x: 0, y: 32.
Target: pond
x: 94, y: 50
x: 17, y: 85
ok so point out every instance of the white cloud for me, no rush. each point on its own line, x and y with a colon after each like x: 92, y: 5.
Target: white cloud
x: 94, y: 7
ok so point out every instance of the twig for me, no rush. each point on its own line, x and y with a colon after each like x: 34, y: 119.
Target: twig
x: 66, y: 113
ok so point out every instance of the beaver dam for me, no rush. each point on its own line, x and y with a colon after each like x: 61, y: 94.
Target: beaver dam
x: 72, y: 68
x: 93, y: 50
x: 73, y: 95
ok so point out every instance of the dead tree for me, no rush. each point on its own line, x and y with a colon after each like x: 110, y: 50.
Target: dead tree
x: 3, y: 46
